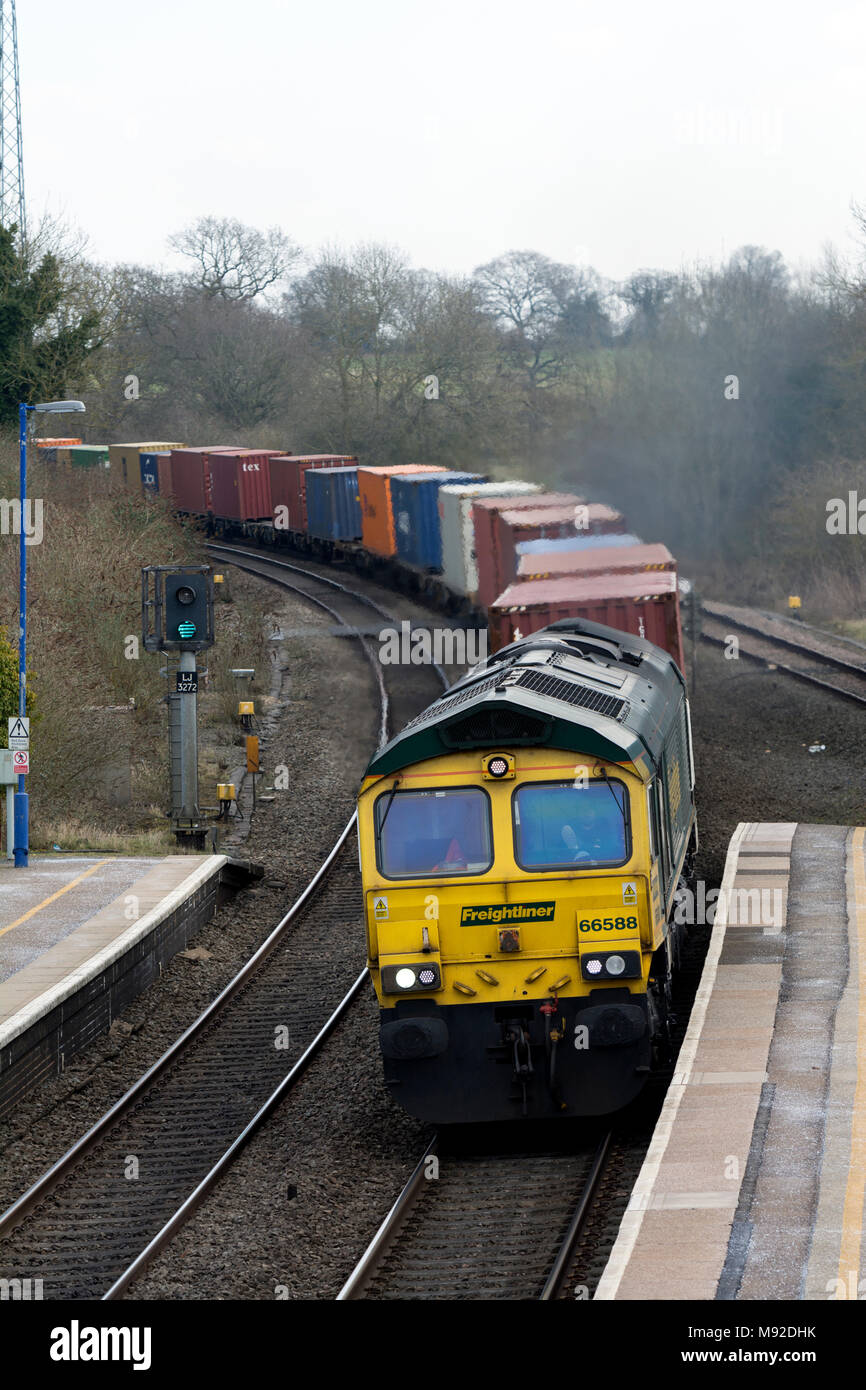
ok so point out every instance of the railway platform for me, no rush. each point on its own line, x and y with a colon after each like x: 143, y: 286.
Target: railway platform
x: 83, y: 936
x: 753, y: 1186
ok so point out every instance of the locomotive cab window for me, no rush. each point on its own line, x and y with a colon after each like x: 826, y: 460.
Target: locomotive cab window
x: 558, y: 825
x: 441, y: 832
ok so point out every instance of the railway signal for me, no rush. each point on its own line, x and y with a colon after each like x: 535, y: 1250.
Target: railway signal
x: 177, y: 615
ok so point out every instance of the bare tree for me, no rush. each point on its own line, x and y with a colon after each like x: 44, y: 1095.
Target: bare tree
x: 233, y: 261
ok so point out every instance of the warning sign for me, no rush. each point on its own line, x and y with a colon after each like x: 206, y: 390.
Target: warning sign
x: 629, y: 894
x: 19, y: 732
x: 380, y: 909
x: 20, y: 763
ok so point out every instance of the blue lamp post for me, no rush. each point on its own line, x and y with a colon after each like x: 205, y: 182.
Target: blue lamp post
x: 22, y: 801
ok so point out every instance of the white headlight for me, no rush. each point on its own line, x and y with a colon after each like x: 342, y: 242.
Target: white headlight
x: 592, y: 967
x: 405, y: 978
x: 615, y: 965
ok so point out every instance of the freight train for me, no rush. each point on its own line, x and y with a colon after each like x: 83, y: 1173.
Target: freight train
x: 522, y: 839
x: 505, y: 554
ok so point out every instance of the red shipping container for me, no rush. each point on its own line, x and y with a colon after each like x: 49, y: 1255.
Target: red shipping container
x: 163, y: 472
x: 645, y: 605
x: 190, y: 475
x: 527, y: 524
x: 288, y: 482
x: 240, y: 485
x: 492, y: 578
x: 607, y: 559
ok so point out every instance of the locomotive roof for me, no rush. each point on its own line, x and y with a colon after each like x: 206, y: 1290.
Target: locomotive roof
x: 575, y: 685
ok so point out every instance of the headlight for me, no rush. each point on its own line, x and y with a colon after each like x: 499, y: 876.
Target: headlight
x: 611, y: 965
x: 410, y: 979
x: 495, y: 766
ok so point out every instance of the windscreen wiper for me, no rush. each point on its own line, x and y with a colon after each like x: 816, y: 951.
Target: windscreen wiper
x: 381, y: 827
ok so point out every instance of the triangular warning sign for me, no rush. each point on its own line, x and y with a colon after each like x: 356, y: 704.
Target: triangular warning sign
x: 18, y: 729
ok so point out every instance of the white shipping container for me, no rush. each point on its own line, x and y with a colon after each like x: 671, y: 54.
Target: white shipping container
x: 459, y: 569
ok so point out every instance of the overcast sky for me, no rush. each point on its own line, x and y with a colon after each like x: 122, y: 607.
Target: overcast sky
x: 622, y: 135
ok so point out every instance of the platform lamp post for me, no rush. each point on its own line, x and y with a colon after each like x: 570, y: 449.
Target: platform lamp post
x: 22, y: 801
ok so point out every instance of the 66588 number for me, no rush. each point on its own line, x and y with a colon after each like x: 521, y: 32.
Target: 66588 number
x: 608, y: 924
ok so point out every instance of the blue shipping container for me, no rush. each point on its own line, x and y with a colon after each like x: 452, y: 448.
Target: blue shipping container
x: 574, y: 543
x: 333, y: 503
x: 149, y: 472
x: 415, y: 498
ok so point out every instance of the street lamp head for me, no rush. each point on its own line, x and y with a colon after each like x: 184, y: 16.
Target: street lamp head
x: 59, y: 407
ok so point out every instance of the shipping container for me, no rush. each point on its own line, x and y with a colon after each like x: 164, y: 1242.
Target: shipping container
x: 125, y: 463
x: 240, y: 485
x: 55, y: 443
x: 163, y: 473
x: 492, y: 577
x: 606, y: 559
x: 575, y: 543
x: 527, y: 524
x: 646, y: 605
x: 377, y: 506
x: 149, y: 465
x: 89, y: 456
x: 455, y: 522
x: 415, y: 499
x: 289, y: 487
x: 190, y: 475
x: 333, y: 504
x: 62, y: 456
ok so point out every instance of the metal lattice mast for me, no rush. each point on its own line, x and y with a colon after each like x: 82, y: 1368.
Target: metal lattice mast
x: 11, y: 152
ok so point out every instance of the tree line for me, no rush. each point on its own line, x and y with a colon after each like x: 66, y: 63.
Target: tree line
x: 720, y: 407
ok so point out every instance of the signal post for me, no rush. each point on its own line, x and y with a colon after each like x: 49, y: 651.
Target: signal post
x: 178, y: 615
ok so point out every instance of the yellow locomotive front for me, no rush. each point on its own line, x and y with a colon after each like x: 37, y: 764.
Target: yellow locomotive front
x: 518, y: 892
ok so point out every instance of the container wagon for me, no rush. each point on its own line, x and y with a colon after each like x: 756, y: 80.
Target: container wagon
x: 645, y: 605
x: 378, y: 531
x: 241, y: 485
x: 492, y: 575
x: 333, y: 504
x: 416, y: 512
x: 459, y: 568
x: 606, y: 559
x: 288, y: 473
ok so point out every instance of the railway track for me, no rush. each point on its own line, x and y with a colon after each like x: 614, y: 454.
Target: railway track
x: 90, y: 1225
x: 482, y: 1227
x: 813, y: 657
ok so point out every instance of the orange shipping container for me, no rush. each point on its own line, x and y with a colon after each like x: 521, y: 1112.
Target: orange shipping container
x: 377, y: 510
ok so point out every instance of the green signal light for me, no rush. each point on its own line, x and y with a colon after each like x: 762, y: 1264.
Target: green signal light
x: 186, y: 629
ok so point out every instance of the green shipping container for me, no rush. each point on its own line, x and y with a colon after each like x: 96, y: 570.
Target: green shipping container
x: 89, y: 456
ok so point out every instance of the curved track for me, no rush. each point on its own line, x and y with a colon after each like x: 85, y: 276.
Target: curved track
x: 91, y: 1224
x: 821, y: 659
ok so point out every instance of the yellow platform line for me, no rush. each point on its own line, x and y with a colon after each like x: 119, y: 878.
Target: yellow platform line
x: 54, y: 896
x: 855, y: 1190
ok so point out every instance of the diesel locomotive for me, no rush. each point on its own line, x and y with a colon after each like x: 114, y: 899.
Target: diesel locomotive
x: 521, y: 844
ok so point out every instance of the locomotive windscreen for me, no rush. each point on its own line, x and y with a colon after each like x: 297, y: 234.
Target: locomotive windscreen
x: 434, y: 832
x: 558, y: 824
